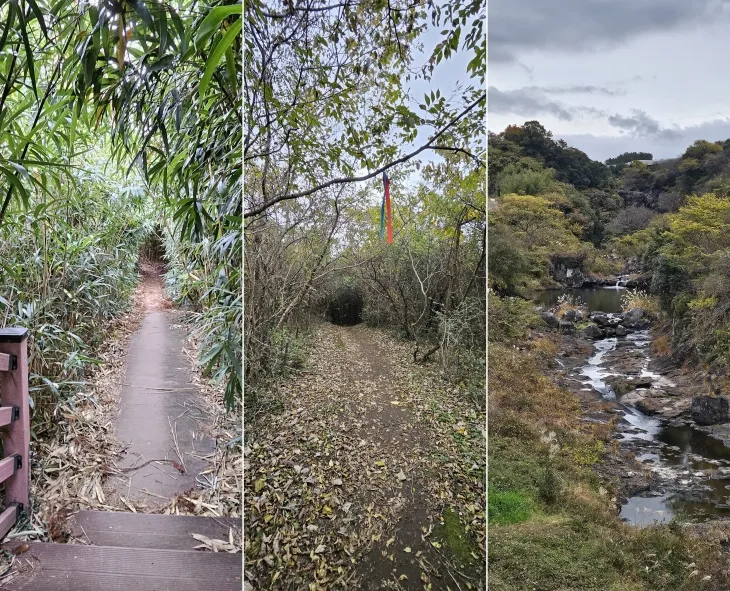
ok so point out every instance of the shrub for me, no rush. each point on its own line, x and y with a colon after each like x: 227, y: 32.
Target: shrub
x: 510, y: 319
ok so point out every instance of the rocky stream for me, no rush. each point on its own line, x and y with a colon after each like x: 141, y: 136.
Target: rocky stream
x: 674, y: 442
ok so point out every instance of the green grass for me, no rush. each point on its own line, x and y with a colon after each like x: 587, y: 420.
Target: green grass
x: 456, y: 538
x: 509, y: 507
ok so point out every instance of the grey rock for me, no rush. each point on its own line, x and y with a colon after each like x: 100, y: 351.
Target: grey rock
x: 550, y: 319
x: 565, y: 326
x: 635, y: 318
x: 622, y: 331
x: 593, y: 332
x: 706, y: 410
x: 642, y: 382
x: 600, y: 318
x: 573, y: 315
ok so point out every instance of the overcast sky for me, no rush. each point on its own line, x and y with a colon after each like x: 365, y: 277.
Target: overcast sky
x: 612, y: 76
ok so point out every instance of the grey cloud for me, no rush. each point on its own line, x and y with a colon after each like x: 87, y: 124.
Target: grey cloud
x: 639, y: 123
x: 587, y: 25
x: 578, y: 89
x: 662, y: 146
x: 532, y: 101
x: 524, y: 102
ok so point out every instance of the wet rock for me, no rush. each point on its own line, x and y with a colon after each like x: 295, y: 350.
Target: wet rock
x: 615, y: 320
x: 610, y: 332
x: 635, y: 318
x: 622, y: 331
x: 600, y: 318
x: 550, y: 319
x: 573, y: 316
x: 706, y: 410
x: 593, y: 332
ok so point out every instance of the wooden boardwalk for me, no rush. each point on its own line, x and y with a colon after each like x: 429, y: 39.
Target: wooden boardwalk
x: 114, y: 551
x: 131, y: 552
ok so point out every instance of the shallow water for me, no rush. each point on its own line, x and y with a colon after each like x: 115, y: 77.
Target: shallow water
x: 598, y: 299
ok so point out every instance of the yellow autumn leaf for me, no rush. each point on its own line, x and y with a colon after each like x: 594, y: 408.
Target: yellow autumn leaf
x: 259, y: 484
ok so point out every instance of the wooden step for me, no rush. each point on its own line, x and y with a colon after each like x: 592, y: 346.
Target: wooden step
x: 75, y: 567
x: 138, y: 530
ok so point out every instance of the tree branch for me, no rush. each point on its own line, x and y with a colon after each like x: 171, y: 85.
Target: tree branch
x: 474, y: 157
x: 428, y: 145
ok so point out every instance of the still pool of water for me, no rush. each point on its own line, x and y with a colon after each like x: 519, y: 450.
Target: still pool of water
x: 598, y: 299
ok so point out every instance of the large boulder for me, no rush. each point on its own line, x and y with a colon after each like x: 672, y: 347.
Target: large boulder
x: 622, y: 331
x: 600, y: 318
x: 635, y: 318
x: 550, y: 319
x: 573, y: 315
x: 593, y: 332
x: 708, y: 410
x: 651, y: 406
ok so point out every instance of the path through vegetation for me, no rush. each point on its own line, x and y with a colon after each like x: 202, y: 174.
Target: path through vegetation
x: 161, y: 418
x: 370, y: 477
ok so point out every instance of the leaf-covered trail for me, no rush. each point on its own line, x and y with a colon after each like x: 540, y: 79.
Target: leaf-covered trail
x: 371, y: 476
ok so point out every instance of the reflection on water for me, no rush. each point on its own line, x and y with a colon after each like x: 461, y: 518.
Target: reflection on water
x: 693, y: 442
x: 701, y: 466
x: 598, y: 299
x: 643, y: 511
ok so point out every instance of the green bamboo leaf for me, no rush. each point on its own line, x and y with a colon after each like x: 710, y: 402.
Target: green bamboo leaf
x: 39, y: 17
x: 218, y: 53
x: 211, y: 23
x: 28, y: 52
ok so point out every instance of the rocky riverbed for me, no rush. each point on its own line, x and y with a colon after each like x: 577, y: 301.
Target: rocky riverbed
x: 665, y: 462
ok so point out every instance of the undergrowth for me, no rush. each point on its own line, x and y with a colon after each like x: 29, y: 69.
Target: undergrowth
x: 68, y: 267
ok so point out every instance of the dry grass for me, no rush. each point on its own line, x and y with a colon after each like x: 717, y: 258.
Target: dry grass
x: 635, y: 298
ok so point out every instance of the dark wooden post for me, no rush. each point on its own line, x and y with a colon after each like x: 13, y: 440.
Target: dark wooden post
x: 14, y: 395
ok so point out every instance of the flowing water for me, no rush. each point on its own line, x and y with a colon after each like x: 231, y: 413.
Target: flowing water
x: 690, y: 469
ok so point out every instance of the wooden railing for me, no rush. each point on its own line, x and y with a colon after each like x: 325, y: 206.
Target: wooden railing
x: 14, y: 425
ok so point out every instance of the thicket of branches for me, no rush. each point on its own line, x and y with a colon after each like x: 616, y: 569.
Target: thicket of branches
x: 328, y: 110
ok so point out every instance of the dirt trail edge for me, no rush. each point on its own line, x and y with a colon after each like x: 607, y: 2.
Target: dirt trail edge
x: 371, y: 477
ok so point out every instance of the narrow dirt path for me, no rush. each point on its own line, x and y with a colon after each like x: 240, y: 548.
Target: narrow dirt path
x: 370, y: 478
x: 159, y: 418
